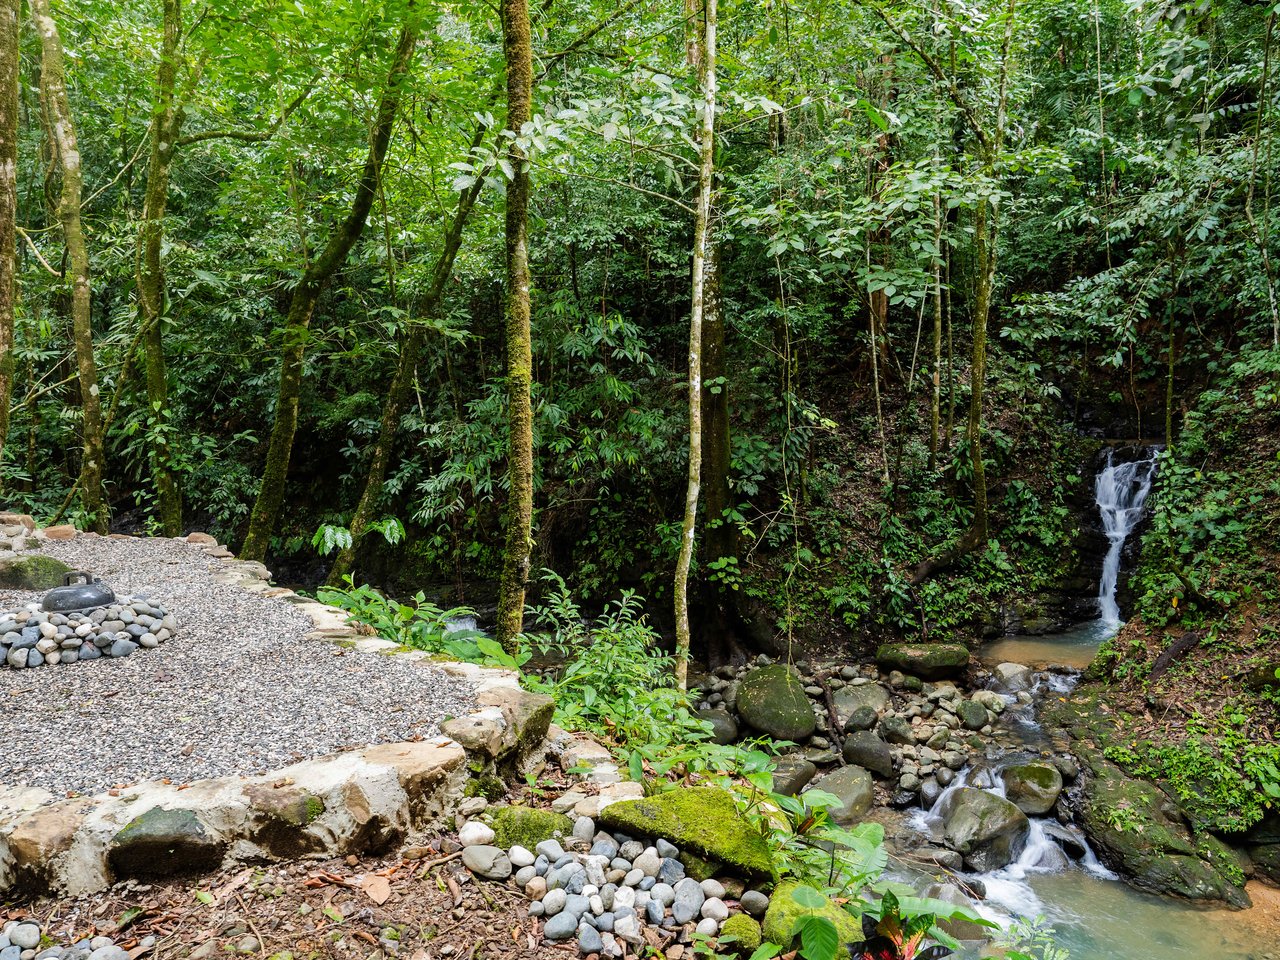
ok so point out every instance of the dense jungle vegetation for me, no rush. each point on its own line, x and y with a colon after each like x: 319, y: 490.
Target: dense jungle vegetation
x: 261, y: 287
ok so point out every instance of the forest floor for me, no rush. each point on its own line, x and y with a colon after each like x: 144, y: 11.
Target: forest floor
x: 419, y: 904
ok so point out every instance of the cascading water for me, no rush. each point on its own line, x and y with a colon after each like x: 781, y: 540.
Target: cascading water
x: 1121, y: 492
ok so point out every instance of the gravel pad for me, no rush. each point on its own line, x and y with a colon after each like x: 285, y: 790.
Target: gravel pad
x: 238, y: 690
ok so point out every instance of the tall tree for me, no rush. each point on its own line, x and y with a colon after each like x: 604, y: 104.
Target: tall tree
x: 62, y: 133
x: 706, y: 60
x: 9, y: 16
x: 316, y: 277
x: 166, y: 125
x: 518, y: 50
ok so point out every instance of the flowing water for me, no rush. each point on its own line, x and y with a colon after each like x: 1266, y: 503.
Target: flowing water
x: 1121, y: 493
x: 1094, y: 915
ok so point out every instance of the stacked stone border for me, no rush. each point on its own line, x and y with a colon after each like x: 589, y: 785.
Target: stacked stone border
x: 359, y: 801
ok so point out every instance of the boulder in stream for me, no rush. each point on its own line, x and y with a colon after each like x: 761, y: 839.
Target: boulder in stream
x: 772, y: 700
x: 988, y: 830
x: 930, y: 661
x: 1032, y: 787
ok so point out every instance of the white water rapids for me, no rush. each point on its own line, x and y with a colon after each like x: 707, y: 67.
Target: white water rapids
x: 1121, y: 491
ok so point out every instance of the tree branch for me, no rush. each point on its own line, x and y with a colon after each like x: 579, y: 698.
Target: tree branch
x: 251, y: 136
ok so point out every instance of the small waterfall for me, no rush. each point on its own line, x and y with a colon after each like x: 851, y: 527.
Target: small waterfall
x: 1121, y: 492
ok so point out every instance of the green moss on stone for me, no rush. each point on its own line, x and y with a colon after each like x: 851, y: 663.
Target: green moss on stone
x: 931, y: 661
x: 784, y: 911
x: 704, y: 820
x: 746, y: 933
x: 315, y: 808
x: 772, y: 700
x: 698, y: 867
x: 32, y: 573
x: 527, y: 826
x: 485, y: 785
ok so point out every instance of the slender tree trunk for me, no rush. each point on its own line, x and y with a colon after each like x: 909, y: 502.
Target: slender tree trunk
x: 166, y: 123
x: 984, y: 247
x: 398, y: 395
x: 935, y: 405
x: 701, y: 225
x: 518, y: 50
x: 9, y: 14
x: 266, y: 510
x: 53, y: 81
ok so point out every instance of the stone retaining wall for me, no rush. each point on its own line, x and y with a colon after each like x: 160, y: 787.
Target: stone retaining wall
x: 353, y: 802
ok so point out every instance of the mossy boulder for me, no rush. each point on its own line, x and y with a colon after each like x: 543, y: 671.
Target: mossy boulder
x: 989, y: 831
x: 703, y: 820
x: 527, y: 827
x: 772, y: 700
x: 929, y: 661
x: 741, y: 935
x: 165, y: 842
x: 1032, y: 787
x: 32, y: 573
x: 784, y: 910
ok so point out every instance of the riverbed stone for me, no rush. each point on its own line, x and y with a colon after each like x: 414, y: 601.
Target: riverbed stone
x: 487, y: 861
x: 1032, y: 787
x: 972, y: 714
x: 1013, y: 677
x: 864, y: 749
x: 772, y: 700
x: 724, y: 728
x: 851, y: 698
x: 854, y: 787
x: 791, y: 774
x: 34, y: 572
x: 989, y: 831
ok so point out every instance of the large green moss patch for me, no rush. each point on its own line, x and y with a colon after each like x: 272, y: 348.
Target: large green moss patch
x: 704, y: 820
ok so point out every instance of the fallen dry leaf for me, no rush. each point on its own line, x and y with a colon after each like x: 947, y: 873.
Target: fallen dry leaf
x: 376, y: 888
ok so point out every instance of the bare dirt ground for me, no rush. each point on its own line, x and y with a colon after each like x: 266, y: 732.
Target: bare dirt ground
x: 420, y: 904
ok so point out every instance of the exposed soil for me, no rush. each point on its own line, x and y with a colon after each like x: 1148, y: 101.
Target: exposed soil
x: 420, y: 904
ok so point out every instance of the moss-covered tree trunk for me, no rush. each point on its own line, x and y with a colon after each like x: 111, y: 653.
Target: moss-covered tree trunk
x: 53, y: 82
x: 701, y: 233
x: 297, y: 328
x: 166, y: 123
x: 518, y: 49
x: 398, y: 395
x: 9, y: 15
x: 935, y: 399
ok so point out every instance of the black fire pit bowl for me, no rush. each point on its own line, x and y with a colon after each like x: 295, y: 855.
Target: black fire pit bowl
x: 74, y: 597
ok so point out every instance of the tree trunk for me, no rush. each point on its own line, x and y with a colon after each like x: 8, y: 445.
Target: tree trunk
x: 53, y: 81
x: 985, y: 260
x: 518, y: 50
x: 266, y: 509
x: 166, y: 123
x: 701, y: 231
x: 935, y: 402
x: 398, y: 395
x: 9, y: 13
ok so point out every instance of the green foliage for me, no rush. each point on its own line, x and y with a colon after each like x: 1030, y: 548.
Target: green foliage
x: 421, y: 624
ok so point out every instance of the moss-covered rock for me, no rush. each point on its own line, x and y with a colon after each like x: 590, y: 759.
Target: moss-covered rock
x: 784, y: 911
x: 700, y: 868
x: 1032, y: 787
x: 36, y: 572
x: 930, y: 661
x: 740, y: 935
x: 1137, y: 828
x: 704, y: 820
x: 772, y: 700
x: 527, y: 827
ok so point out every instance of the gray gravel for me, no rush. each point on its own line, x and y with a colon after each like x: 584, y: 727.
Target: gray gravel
x: 238, y: 690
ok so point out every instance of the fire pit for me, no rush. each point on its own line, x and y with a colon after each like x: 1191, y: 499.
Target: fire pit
x: 81, y: 621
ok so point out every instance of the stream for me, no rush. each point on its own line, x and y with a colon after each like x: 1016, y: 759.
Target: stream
x: 1095, y: 915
